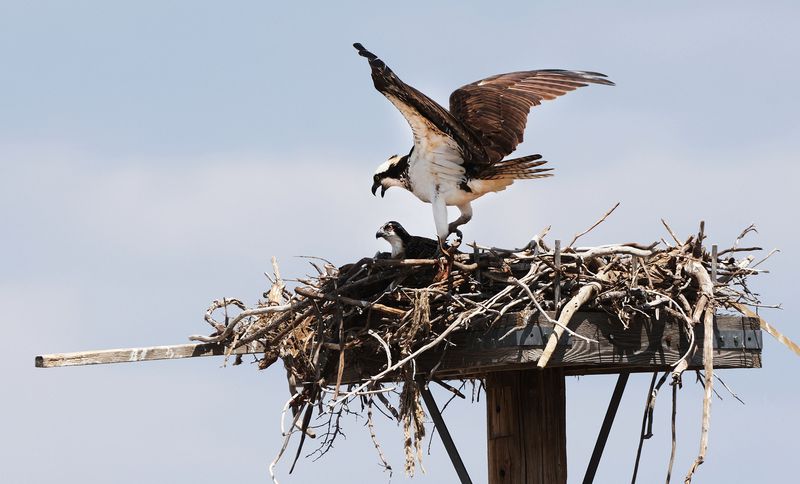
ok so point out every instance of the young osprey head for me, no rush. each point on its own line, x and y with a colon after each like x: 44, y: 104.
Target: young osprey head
x: 390, y: 173
x: 396, y: 235
x: 405, y: 245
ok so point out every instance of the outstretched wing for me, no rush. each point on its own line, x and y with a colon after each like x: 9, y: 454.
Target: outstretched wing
x: 525, y: 168
x: 496, y: 108
x: 430, y: 122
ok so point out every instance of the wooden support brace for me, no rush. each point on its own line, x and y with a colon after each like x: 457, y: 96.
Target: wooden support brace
x: 605, y: 429
x: 447, y: 440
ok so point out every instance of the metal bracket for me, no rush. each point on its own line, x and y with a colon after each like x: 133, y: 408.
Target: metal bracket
x: 748, y: 339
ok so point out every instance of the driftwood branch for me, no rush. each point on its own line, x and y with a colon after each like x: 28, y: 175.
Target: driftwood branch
x: 586, y: 293
x: 708, y: 358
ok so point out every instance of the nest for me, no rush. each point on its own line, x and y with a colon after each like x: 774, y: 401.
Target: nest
x: 380, y: 315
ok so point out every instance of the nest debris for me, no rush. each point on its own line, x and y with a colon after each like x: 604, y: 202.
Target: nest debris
x: 380, y: 315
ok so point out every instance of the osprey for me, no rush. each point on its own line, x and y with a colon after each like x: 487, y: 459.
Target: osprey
x: 405, y: 245
x: 458, y: 154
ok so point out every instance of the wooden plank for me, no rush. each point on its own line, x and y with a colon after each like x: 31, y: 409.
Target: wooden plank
x: 130, y: 355
x: 526, y: 427
x: 644, y: 347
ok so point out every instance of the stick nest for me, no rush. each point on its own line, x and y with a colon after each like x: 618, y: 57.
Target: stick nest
x: 376, y: 316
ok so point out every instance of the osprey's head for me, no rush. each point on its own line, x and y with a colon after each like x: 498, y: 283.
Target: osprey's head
x: 390, y: 173
x: 396, y: 235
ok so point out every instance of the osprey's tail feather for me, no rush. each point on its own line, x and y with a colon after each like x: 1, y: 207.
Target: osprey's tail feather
x: 524, y: 168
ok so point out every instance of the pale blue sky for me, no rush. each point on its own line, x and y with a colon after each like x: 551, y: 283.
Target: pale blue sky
x: 154, y: 155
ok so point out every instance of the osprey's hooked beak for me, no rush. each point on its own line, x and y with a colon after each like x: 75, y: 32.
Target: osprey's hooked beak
x: 377, y: 185
x: 379, y: 234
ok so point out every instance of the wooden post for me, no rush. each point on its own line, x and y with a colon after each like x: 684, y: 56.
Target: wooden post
x: 557, y: 278
x: 526, y: 427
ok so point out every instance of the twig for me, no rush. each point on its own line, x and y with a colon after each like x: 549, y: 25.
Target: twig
x: 671, y: 233
x: 747, y: 230
x: 374, y: 437
x: 547, y: 316
x: 244, y: 314
x: 771, y: 253
x: 672, y: 425
x: 644, y: 425
x: 286, y: 435
x: 449, y: 388
x: 458, y: 322
x: 616, y: 250
x: 734, y: 395
x: 363, y: 393
x: 537, y: 240
x: 385, y: 347
x: 602, y: 219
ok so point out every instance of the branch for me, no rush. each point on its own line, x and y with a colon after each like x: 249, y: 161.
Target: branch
x: 602, y: 219
x: 586, y: 293
x: 708, y: 363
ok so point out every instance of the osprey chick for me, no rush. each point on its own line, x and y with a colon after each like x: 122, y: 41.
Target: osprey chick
x: 404, y: 245
x: 458, y: 154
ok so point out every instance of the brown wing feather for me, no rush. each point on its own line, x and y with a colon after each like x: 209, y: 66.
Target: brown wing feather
x: 525, y: 168
x: 496, y: 108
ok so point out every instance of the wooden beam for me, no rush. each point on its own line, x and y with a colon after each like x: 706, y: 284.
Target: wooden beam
x: 526, y: 427
x: 130, y: 355
x: 646, y: 346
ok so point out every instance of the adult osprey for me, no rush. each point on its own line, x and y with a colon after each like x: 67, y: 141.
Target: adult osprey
x: 405, y: 245
x: 458, y: 154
